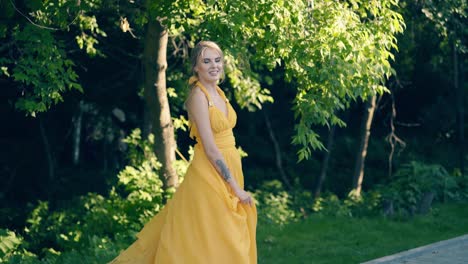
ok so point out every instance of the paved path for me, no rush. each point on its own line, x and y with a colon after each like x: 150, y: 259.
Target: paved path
x: 452, y: 251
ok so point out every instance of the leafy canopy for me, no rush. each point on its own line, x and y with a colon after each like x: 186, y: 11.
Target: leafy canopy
x: 331, y: 52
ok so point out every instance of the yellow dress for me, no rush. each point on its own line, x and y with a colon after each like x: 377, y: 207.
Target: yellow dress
x: 204, y: 222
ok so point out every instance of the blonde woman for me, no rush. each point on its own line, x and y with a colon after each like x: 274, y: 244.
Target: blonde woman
x: 211, y: 219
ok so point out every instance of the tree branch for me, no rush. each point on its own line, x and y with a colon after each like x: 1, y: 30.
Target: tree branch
x: 45, y: 27
x: 278, y: 158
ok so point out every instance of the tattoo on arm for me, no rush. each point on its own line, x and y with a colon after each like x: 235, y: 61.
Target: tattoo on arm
x: 224, y: 170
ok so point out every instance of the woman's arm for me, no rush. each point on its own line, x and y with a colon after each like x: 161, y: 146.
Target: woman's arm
x: 197, y: 106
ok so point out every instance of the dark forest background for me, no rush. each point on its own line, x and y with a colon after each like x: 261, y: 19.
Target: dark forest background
x: 60, y: 144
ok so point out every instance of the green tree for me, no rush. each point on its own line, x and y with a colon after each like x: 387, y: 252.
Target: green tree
x: 449, y: 19
x: 331, y: 52
x: 34, y: 55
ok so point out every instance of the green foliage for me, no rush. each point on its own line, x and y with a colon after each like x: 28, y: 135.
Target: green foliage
x: 43, y: 70
x: 97, y: 251
x: 274, y: 204
x: 247, y: 89
x: 92, y: 218
x: 38, y: 61
x: 347, y: 57
x: 87, y: 40
x: 365, y: 204
x: 415, y: 179
x: 65, y: 229
x: 140, y: 150
x: 331, y: 51
x: 462, y: 183
x: 353, y: 206
x: 278, y: 206
x: 9, y: 242
x: 302, y: 201
x: 140, y: 177
x: 449, y: 18
x: 330, y: 204
x: 61, y: 15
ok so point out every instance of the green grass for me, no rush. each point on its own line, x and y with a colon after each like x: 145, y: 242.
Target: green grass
x: 325, y: 239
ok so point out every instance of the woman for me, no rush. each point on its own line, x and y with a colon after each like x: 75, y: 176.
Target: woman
x: 210, y: 219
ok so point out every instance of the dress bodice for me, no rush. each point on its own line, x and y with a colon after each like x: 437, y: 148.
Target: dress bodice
x: 221, y: 125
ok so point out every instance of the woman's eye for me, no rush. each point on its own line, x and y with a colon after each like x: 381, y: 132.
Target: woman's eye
x: 206, y: 61
x: 218, y: 59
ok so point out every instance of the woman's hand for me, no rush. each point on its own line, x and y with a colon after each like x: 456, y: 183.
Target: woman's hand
x: 244, y: 197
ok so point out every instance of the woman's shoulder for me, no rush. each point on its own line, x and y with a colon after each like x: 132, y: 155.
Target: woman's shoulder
x: 195, y: 97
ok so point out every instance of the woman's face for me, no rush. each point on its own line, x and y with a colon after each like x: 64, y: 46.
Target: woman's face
x: 209, y: 66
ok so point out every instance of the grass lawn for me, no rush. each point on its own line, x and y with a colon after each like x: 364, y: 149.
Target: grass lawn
x: 325, y: 239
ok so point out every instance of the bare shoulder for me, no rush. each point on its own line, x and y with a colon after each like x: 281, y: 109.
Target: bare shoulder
x: 197, y: 108
x: 196, y: 99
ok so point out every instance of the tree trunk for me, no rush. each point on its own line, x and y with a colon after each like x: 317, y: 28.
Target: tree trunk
x: 362, y: 151
x: 77, y: 121
x: 47, y: 150
x: 155, y: 65
x: 460, y: 111
x: 326, y: 159
x: 392, y: 138
x: 279, y: 160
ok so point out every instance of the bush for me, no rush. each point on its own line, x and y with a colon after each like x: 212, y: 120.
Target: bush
x: 97, y: 251
x: 330, y: 204
x: 89, y: 222
x: 274, y: 204
x: 416, y: 185
x: 353, y: 206
x: 9, y: 242
x: 365, y: 204
x: 278, y: 206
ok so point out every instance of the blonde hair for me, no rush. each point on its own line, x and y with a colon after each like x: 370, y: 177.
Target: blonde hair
x: 198, y: 51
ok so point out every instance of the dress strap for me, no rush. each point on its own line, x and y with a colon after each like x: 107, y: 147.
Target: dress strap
x: 210, y: 102
x: 221, y: 92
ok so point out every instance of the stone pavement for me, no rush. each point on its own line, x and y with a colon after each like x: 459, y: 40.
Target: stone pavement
x: 452, y: 251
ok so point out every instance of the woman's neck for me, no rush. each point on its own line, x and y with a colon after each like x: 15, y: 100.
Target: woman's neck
x: 210, y: 86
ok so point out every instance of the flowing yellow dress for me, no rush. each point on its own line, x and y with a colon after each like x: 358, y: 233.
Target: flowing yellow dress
x: 204, y: 222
